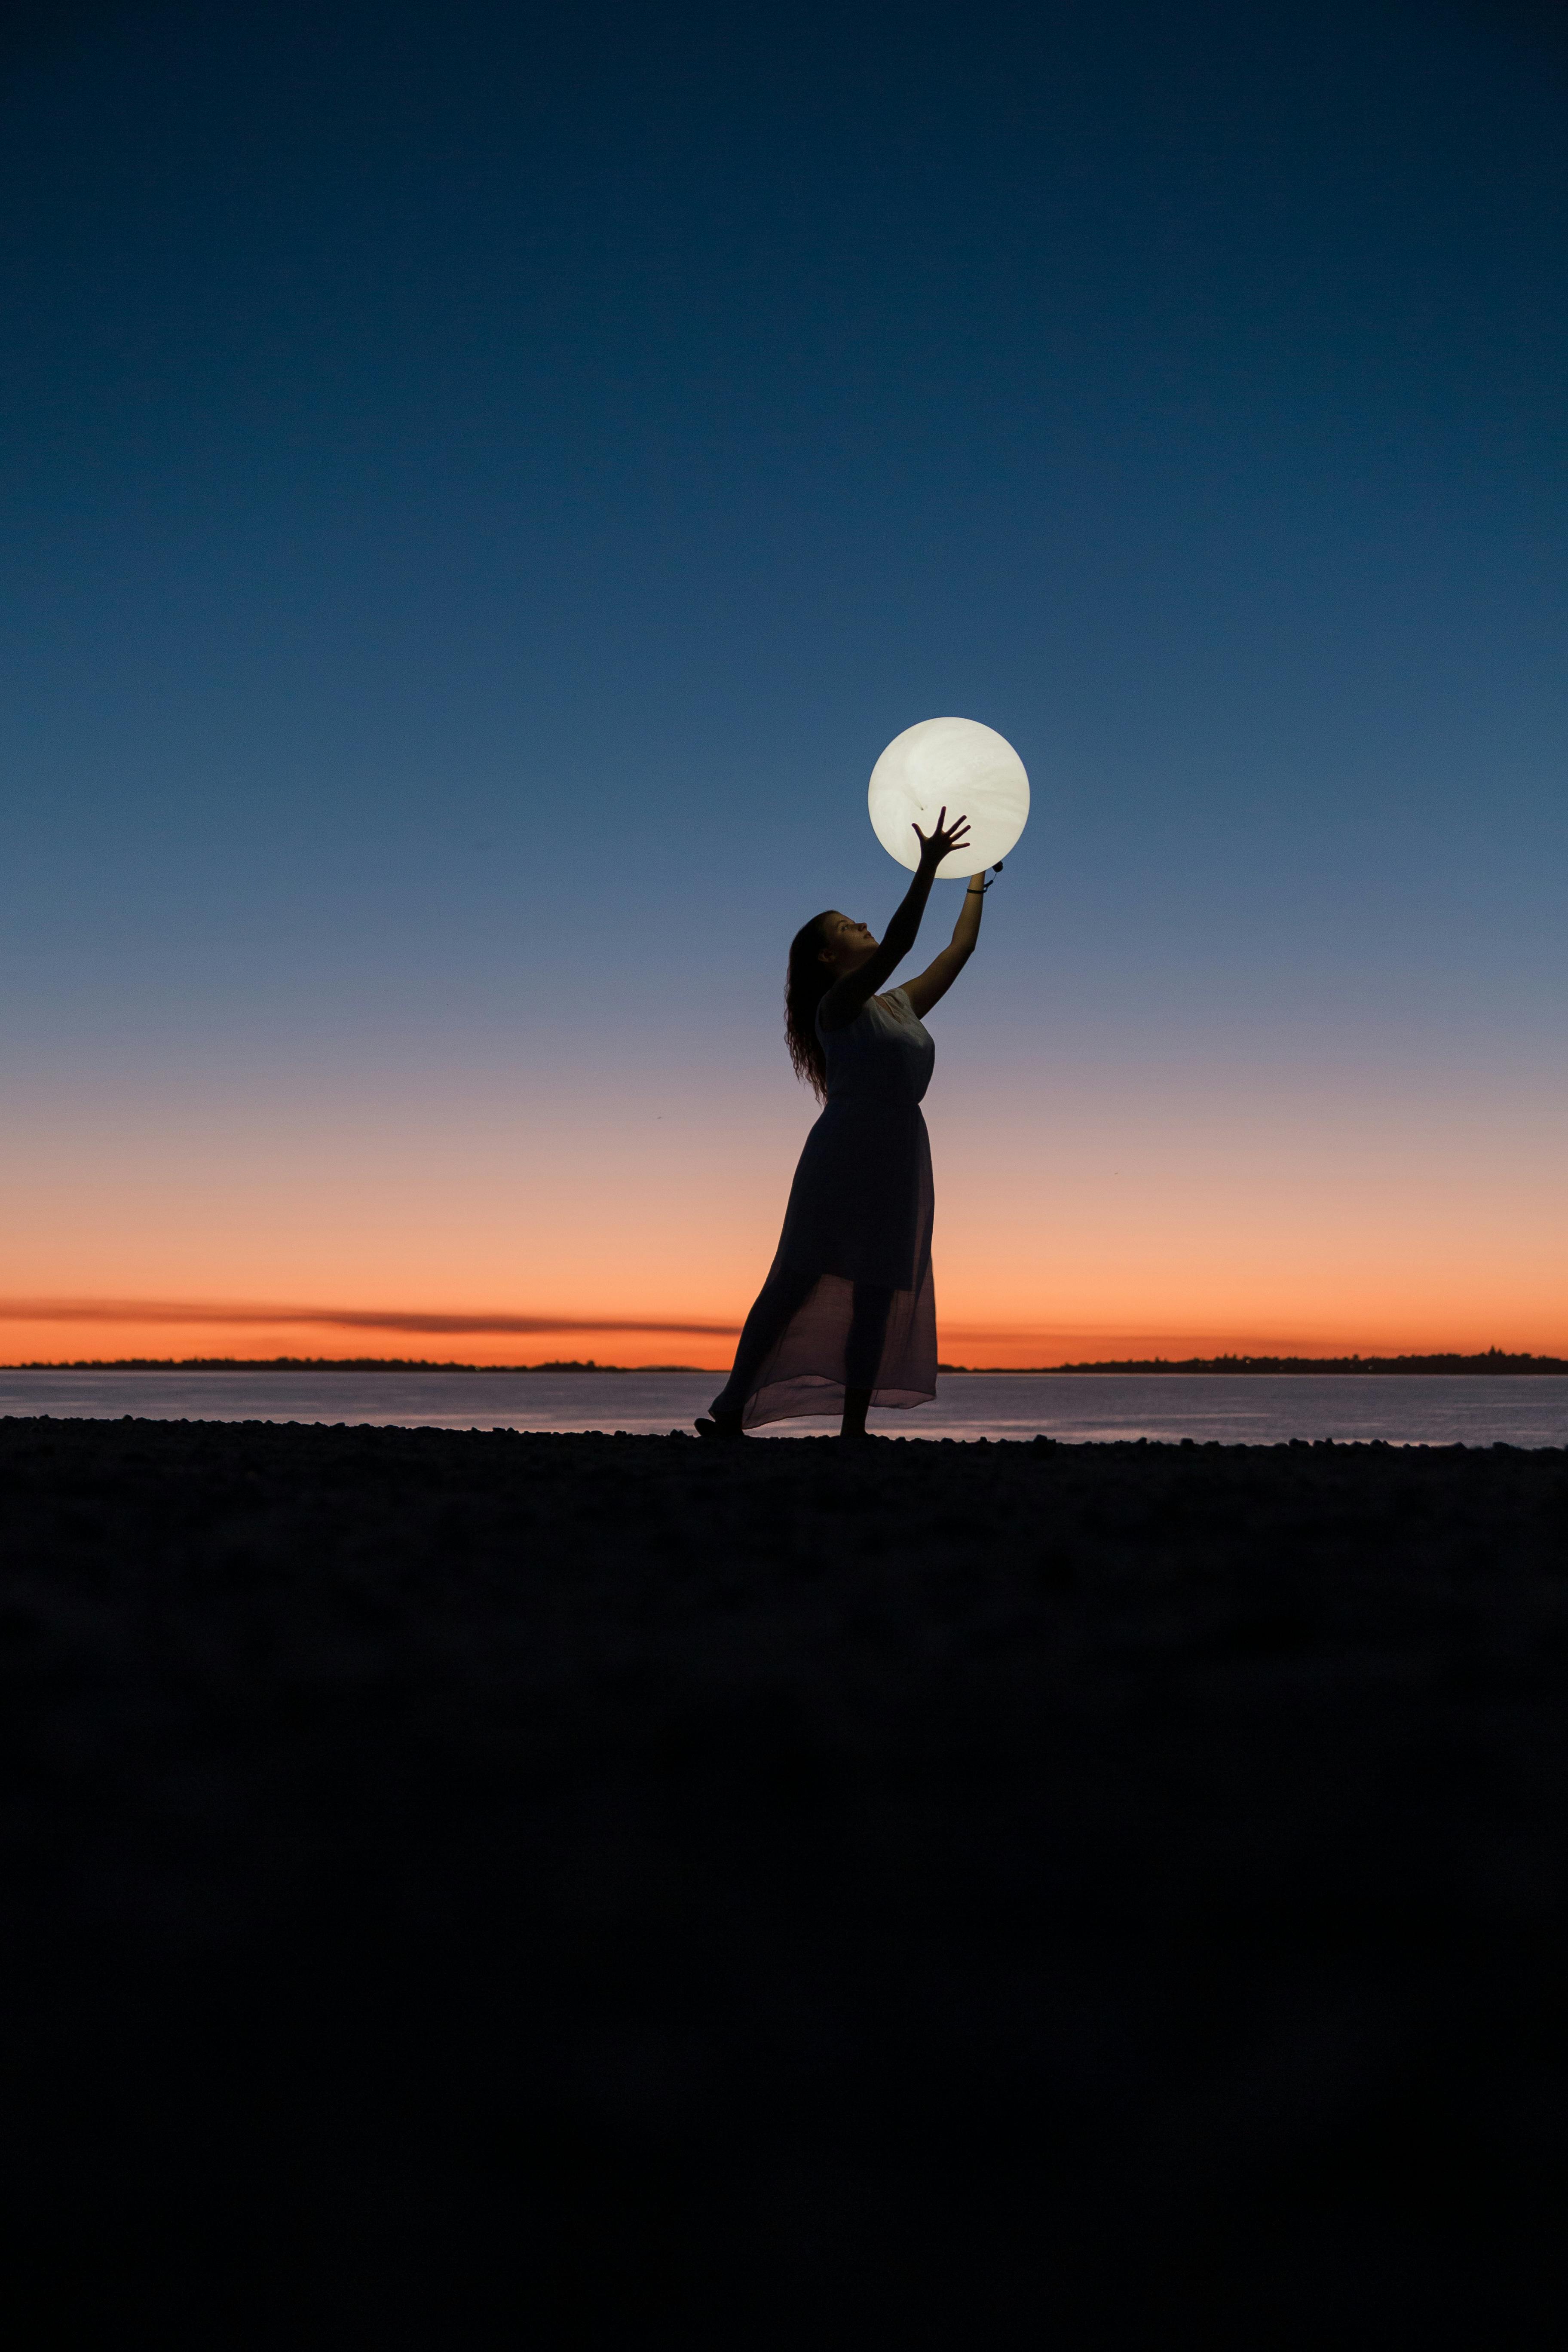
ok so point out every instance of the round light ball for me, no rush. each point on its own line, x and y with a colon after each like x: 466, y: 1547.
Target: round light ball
x: 959, y: 766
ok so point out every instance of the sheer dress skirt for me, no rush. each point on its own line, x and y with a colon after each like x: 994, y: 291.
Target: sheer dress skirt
x: 859, y: 1224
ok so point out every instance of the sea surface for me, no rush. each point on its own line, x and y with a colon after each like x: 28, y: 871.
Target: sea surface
x: 1229, y: 1409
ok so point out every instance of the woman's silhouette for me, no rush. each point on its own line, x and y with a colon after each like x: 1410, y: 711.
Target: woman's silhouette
x: 847, y: 1312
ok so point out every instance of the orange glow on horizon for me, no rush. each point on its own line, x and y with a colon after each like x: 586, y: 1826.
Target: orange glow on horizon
x: 1080, y: 1218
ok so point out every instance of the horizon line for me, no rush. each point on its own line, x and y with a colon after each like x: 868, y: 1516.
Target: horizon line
x: 1227, y: 1360
x: 1041, y: 1342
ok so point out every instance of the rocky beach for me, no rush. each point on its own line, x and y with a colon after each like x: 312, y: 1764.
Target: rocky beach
x: 467, y: 1887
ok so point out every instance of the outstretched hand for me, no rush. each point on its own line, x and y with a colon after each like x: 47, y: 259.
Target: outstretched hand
x: 942, y: 838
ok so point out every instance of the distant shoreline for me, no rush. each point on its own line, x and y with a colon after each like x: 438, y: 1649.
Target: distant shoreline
x: 1494, y: 1361
x: 327, y: 1364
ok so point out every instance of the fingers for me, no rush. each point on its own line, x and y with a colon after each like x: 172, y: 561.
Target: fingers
x: 943, y: 837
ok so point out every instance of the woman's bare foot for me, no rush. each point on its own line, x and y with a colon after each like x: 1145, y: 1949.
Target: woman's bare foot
x: 723, y: 1424
x: 857, y: 1403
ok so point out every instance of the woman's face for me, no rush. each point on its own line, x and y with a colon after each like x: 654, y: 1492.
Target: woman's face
x: 845, y: 942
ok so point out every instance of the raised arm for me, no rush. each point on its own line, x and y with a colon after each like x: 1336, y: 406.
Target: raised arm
x: 847, y: 996
x: 939, y: 974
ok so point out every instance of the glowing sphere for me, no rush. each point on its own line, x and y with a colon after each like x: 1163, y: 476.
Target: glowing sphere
x: 959, y: 766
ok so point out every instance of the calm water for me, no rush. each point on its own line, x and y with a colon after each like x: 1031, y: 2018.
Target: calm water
x: 1251, y: 1411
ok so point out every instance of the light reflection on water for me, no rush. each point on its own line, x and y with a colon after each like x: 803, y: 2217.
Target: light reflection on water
x: 1235, y: 1409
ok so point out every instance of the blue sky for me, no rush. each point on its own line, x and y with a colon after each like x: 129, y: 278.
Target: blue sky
x: 482, y: 485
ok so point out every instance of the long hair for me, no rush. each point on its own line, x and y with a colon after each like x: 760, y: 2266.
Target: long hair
x: 808, y: 981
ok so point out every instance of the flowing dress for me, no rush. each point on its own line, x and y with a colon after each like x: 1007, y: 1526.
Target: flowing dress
x: 857, y: 1228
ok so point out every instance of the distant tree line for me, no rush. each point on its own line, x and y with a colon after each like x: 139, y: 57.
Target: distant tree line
x: 323, y: 1364
x: 1495, y: 1359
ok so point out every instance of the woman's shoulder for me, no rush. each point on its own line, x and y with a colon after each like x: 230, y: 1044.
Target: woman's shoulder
x: 892, y: 1004
x: 837, y: 1028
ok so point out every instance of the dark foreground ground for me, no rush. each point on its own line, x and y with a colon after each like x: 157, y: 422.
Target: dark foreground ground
x: 568, y: 1890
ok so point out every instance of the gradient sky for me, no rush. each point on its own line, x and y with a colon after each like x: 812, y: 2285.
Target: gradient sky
x: 482, y: 485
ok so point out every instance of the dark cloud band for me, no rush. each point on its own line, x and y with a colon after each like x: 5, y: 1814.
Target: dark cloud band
x: 341, y: 1318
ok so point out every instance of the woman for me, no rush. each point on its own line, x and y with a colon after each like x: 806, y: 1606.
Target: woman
x: 848, y: 1311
